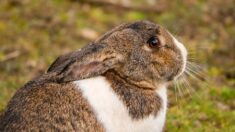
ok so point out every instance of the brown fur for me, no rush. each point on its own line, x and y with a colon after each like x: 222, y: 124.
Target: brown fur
x: 51, y: 102
x: 140, y: 102
x: 49, y: 106
x: 122, y: 49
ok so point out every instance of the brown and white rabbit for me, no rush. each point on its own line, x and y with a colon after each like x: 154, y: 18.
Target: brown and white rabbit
x: 115, y: 84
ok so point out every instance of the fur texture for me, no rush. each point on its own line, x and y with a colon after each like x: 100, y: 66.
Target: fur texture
x: 119, y: 85
x: 115, y: 115
x: 49, y: 107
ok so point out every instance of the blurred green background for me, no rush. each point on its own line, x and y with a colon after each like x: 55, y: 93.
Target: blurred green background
x: 34, y: 32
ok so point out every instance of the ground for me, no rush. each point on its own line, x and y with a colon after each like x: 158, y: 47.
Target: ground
x: 33, y: 33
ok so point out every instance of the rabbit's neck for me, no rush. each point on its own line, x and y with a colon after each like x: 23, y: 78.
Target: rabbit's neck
x: 120, y: 106
x: 141, y: 102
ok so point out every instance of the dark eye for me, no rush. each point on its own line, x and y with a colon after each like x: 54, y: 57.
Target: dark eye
x: 153, y: 42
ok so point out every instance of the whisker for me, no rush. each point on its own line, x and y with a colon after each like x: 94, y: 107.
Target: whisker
x: 194, y: 69
x: 191, y: 58
x: 179, y: 101
x: 183, y: 86
x: 196, y: 74
x: 190, y: 88
x: 180, y: 92
x: 194, y: 65
x: 175, y: 91
x: 186, y: 84
x: 192, y: 75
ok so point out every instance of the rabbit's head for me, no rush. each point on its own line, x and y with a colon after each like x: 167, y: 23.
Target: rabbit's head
x: 144, y: 53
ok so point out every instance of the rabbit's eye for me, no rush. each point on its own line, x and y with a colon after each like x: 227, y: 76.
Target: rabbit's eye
x: 153, y: 42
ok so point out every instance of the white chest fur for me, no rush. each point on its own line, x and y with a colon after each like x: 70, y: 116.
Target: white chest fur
x: 112, y: 112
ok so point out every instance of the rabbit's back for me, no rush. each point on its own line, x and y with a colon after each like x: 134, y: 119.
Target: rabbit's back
x: 49, y: 106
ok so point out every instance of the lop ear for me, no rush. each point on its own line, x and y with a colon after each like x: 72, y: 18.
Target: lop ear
x: 91, y: 61
x: 82, y: 70
x: 61, y: 62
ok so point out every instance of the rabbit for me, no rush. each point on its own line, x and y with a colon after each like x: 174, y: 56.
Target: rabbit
x: 117, y: 83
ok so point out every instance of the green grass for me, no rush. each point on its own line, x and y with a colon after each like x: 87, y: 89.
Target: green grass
x: 39, y: 31
x: 208, y: 109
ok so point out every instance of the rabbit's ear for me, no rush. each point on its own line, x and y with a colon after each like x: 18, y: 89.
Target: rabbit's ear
x: 87, y: 69
x: 61, y: 62
x: 93, y: 60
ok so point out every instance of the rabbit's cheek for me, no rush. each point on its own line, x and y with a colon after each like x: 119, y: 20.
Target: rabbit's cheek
x: 167, y: 64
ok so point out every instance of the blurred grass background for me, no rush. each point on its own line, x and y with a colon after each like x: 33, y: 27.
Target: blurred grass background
x: 33, y: 33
